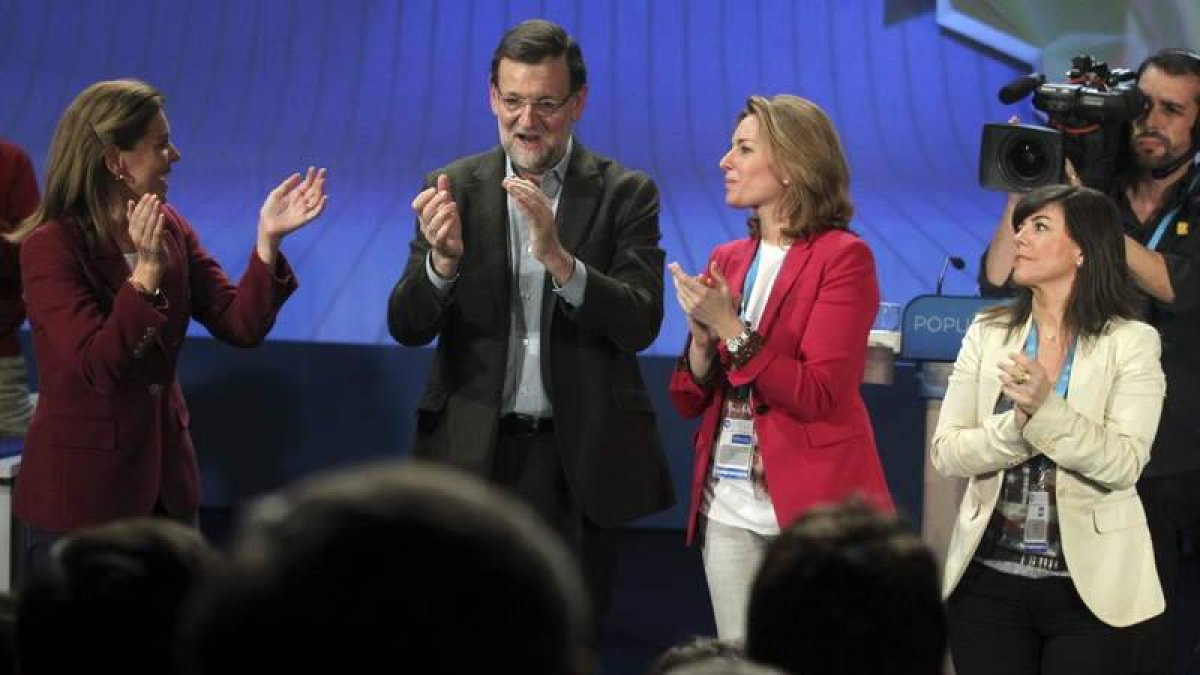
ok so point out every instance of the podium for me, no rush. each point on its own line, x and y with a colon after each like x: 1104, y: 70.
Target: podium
x: 932, y: 330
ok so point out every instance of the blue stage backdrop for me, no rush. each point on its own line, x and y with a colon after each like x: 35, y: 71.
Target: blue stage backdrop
x: 383, y: 91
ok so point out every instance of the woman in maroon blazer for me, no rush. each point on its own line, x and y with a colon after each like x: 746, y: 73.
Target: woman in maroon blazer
x: 779, y: 325
x: 112, y: 276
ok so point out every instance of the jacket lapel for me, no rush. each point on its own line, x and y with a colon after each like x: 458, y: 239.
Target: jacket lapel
x: 993, y: 354
x: 581, y: 191
x: 737, y: 265
x: 113, y: 268
x: 486, y: 228
x: 104, y: 267
x: 1084, y: 384
x: 794, y: 262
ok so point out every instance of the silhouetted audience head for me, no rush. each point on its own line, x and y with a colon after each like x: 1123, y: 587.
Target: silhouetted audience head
x: 707, y: 656
x: 110, y: 598
x: 374, y: 565
x: 846, y: 590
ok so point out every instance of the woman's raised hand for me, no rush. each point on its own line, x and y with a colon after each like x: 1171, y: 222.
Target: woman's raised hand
x: 292, y: 205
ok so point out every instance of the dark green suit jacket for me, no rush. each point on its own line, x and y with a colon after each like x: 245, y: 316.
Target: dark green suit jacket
x: 604, y: 419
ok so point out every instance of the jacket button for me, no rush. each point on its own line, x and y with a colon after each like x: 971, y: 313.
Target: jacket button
x: 761, y: 409
x: 155, y: 389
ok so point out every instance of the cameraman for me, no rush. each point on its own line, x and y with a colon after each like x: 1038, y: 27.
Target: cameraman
x: 1158, y: 195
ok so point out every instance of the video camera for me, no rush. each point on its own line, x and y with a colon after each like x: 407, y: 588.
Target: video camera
x: 1086, y: 123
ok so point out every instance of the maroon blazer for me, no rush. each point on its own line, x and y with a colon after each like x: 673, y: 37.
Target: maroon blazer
x: 18, y: 198
x: 110, y: 436
x: 813, y: 430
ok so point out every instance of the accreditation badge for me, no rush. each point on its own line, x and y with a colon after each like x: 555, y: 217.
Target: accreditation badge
x: 1037, y: 523
x: 735, y: 449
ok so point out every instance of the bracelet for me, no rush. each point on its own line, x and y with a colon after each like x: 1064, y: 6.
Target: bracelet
x: 142, y: 290
x: 155, y: 297
x: 749, y: 347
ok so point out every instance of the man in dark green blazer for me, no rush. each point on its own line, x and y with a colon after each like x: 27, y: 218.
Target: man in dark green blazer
x: 537, y: 267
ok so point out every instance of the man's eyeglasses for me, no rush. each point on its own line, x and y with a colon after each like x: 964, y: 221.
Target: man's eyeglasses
x: 542, y: 107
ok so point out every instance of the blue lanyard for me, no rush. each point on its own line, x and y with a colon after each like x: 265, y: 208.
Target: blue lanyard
x: 751, y: 277
x: 1169, y: 217
x: 1064, y: 375
x: 1161, y: 229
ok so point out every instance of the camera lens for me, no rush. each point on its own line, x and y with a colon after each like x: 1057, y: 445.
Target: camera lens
x: 1020, y: 157
x: 1026, y: 160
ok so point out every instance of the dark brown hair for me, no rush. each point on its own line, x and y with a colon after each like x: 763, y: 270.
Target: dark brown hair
x: 534, y: 41
x: 841, y: 577
x: 1103, y: 289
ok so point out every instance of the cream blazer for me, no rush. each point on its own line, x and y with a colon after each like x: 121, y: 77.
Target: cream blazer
x: 1100, y: 439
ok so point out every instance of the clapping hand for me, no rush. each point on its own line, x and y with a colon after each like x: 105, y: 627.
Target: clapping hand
x: 529, y: 198
x: 544, y: 244
x: 440, y: 225
x: 707, y: 300
x: 1025, y: 382
x: 295, y: 203
x: 145, y: 218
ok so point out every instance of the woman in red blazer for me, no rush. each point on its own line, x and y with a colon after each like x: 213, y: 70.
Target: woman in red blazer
x: 779, y: 326
x: 112, y: 277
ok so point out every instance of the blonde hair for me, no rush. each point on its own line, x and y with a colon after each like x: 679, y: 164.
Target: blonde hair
x: 79, y: 186
x: 806, y: 155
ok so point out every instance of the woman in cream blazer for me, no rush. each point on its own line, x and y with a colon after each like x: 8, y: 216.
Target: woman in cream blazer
x: 1050, y: 558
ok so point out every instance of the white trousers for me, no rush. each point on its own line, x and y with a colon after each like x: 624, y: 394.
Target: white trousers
x: 732, y: 556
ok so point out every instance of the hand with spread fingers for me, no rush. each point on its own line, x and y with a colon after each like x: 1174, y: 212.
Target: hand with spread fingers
x: 441, y: 226
x: 290, y: 206
x: 293, y: 204
x: 1025, y: 382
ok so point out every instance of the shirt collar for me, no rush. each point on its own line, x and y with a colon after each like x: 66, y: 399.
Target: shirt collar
x: 552, y: 180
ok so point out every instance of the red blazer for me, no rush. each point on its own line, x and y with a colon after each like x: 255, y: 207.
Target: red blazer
x: 110, y: 436
x: 813, y: 430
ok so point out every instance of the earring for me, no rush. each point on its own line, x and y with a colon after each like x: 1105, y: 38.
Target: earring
x: 1079, y: 262
x: 786, y: 181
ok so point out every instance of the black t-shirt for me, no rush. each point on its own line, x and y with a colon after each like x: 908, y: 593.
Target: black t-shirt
x: 1177, y: 446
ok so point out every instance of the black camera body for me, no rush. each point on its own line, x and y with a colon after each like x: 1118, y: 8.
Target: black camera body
x: 1087, y: 120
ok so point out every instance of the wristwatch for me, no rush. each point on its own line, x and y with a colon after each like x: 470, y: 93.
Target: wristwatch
x: 154, y: 297
x: 145, y: 292
x: 734, y: 344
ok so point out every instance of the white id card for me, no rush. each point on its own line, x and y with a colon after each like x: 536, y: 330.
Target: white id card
x: 735, y: 449
x: 1037, y: 522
